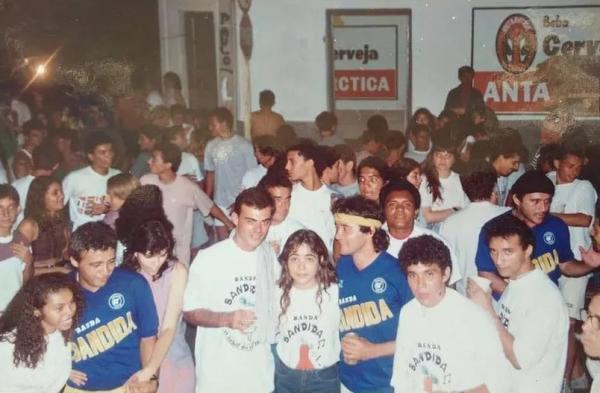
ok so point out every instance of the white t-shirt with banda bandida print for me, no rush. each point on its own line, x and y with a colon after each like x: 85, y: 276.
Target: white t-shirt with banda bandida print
x: 222, y: 278
x: 308, y: 333
x: 455, y: 345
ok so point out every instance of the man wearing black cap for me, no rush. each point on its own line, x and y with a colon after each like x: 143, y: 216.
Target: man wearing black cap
x: 532, y: 195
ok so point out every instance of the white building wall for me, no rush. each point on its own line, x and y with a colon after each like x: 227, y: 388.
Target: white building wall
x: 289, y: 55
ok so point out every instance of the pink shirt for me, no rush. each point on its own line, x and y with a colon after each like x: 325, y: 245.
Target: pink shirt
x: 180, y: 199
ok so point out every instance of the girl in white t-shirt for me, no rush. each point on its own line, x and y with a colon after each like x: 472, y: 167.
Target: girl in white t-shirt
x: 441, y: 192
x: 307, y: 342
x: 35, y: 355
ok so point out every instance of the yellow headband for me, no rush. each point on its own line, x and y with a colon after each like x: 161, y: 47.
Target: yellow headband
x: 343, y: 218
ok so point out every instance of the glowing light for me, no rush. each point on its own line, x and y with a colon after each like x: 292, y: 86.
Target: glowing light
x: 454, y: 18
x: 40, y: 70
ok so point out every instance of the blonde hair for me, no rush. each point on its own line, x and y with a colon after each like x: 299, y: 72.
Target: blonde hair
x: 122, y: 185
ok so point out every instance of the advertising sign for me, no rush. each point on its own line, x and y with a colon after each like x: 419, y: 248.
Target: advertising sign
x: 535, y: 60
x: 365, y: 62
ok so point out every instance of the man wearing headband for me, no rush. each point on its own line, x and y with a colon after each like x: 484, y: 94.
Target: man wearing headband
x: 532, y: 195
x: 373, y: 290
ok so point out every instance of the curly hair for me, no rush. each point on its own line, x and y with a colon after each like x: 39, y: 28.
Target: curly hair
x: 424, y: 249
x: 35, y: 206
x: 360, y: 206
x: 143, y: 204
x: 151, y: 237
x: 21, y: 326
x: 325, y: 272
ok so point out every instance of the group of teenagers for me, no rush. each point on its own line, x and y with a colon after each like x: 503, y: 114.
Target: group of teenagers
x: 328, y: 269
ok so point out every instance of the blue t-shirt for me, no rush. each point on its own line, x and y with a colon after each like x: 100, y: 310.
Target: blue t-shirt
x: 552, y: 247
x: 370, y: 301
x: 106, y: 345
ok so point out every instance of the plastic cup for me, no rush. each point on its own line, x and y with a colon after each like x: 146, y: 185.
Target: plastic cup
x: 483, y: 283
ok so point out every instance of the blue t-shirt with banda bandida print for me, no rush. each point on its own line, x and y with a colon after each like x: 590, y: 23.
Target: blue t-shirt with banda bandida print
x: 552, y: 247
x: 370, y: 301
x: 106, y: 346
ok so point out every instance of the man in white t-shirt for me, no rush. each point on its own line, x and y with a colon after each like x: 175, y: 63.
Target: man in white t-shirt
x: 181, y: 197
x: 189, y: 166
x: 266, y: 151
x: 311, y: 199
x: 229, y: 297
x: 85, y: 188
x: 463, y: 227
x: 226, y: 159
x: 16, y: 261
x: 444, y: 342
x: 531, y: 316
x: 400, y: 201
x: 282, y: 225
x: 574, y: 202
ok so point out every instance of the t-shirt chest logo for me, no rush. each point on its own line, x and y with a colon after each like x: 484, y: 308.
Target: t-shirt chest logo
x: 549, y: 238
x: 379, y: 285
x: 116, y: 301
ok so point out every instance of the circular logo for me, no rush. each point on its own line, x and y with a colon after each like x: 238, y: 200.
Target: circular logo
x: 116, y: 301
x: 379, y: 285
x: 516, y: 43
x: 549, y: 238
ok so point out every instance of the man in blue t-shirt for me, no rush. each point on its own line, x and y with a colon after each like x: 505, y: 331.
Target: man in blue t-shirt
x: 532, y: 194
x: 117, y: 331
x: 373, y: 290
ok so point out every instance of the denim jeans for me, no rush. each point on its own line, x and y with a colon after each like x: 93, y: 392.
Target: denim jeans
x: 288, y: 380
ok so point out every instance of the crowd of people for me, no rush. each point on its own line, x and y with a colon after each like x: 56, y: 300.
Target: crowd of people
x: 439, y: 258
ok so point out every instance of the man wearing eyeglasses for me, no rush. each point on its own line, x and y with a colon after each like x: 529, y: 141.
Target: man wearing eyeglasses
x: 531, y: 316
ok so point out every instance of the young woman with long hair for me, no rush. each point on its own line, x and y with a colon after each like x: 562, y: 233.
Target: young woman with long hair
x: 307, y: 294
x: 441, y: 192
x: 46, y: 225
x: 35, y: 355
x: 150, y: 253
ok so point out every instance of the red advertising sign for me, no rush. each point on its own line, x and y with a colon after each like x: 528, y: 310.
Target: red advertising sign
x: 365, y: 84
x: 539, y: 59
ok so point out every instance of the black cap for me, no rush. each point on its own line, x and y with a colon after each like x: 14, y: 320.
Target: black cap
x: 532, y: 181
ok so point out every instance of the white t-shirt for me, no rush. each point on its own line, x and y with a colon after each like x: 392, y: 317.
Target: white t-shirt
x: 190, y: 166
x: 347, y: 191
x: 229, y: 159
x: 50, y: 374
x: 3, y: 176
x: 451, y: 191
x: 461, y: 230
x: 23, y: 112
x: 417, y: 155
x: 180, y: 198
x: 11, y: 273
x: 22, y: 187
x: 82, y: 188
x: 307, y: 336
x: 281, y: 232
x: 222, y: 279
x: 455, y: 343
x: 578, y: 196
x: 534, y: 312
x: 313, y: 210
x: 253, y: 176
x: 396, y: 245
